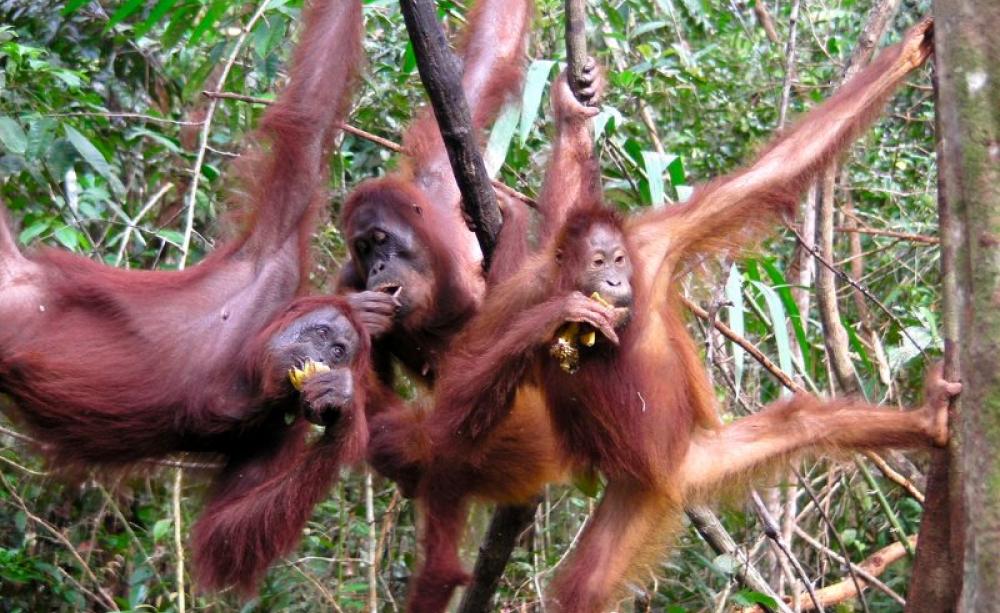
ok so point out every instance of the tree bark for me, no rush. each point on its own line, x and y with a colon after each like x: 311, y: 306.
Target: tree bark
x: 576, y: 42
x: 507, y: 524
x: 440, y: 73
x: 937, y: 571
x: 967, y: 60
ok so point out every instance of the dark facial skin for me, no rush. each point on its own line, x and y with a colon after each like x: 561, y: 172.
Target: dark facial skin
x: 391, y: 259
x: 607, y: 268
x: 327, y: 336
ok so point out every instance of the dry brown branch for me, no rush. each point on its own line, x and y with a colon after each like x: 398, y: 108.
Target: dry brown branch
x: 875, y: 565
x: 903, y: 236
x: 766, y: 22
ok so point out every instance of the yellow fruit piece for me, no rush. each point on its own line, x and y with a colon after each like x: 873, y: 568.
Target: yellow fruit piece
x: 298, y: 376
x: 599, y: 298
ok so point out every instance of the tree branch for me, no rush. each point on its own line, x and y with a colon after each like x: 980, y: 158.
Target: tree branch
x: 576, y: 42
x: 439, y: 71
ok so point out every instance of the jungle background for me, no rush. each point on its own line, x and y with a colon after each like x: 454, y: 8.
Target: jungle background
x: 103, y: 137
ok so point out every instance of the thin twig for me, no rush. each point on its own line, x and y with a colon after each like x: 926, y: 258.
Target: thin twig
x: 135, y: 220
x: 903, y: 236
x: 861, y: 572
x: 179, y: 538
x: 773, y: 532
x: 846, y: 278
x: 786, y: 88
x: 372, y: 544
x: 206, y: 129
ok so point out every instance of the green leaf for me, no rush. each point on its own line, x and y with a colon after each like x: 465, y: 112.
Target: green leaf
x: 159, y: 12
x: 12, y: 136
x: 588, y: 482
x: 655, y: 164
x: 676, y: 170
x: 173, y: 237
x: 748, y: 598
x: 180, y: 21
x: 534, y: 85
x: 68, y: 237
x: 33, y: 231
x: 409, y: 60
x: 500, y: 137
x: 778, y: 326
x: 727, y: 563
x: 123, y: 12
x: 781, y: 285
x: 609, y: 116
x: 214, y: 12
x: 94, y: 158
x: 73, y: 6
x: 161, y: 528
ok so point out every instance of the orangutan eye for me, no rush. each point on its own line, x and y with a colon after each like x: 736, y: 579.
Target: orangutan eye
x: 619, y: 259
x: 361, y: 246
x: 322, y: 331
x: 338, y: 352
x: 379, y: 237
x: 599, y: 261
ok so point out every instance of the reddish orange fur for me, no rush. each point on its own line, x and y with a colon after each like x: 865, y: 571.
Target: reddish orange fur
x: 109, y: 366
x: 492, y: 51
x: 642, y: 413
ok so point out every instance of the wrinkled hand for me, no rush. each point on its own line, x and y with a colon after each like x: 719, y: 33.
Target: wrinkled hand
x: 590, y: 87
x: 938, y: 394
x: 325, y: 396
x: 376, y: 310
x: 918, y: 43
x: 580, y: 308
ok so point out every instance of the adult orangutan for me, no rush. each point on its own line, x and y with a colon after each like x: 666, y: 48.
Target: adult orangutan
x: 634, y: 401
x: 108, y: 367
x: 406, y: 232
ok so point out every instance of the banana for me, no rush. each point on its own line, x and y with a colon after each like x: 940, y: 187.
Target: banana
x: 566, y: 348
x: 298, y: 376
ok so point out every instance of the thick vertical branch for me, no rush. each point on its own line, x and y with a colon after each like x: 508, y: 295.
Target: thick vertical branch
x: 507, y: 524
x: 576, y: 42
x: 937, y: 578
x: 956, y: 567
x: 826, y: 288
x: 440, y: 74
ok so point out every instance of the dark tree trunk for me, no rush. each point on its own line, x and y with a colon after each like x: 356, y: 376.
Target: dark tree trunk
x: 442, y: 78
x: 960, y: 537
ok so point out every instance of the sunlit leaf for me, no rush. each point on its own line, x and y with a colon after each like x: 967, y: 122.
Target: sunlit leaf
x: 94, y: 158
x: 779, y: 327
x: 500, y: 137
x: 12, y: 137
x: 535, y: 80
x: 126, y: 9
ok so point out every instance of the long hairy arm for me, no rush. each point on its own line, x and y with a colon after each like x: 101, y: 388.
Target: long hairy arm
x: 286, y: 181
x: 739, y: 207
x: 491, y: 359
x: 572, y: 177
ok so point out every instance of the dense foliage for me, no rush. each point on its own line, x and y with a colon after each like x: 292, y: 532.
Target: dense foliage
x: 101, y: 107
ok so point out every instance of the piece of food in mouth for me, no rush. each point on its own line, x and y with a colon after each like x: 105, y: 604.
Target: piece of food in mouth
x: 298, y: 376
